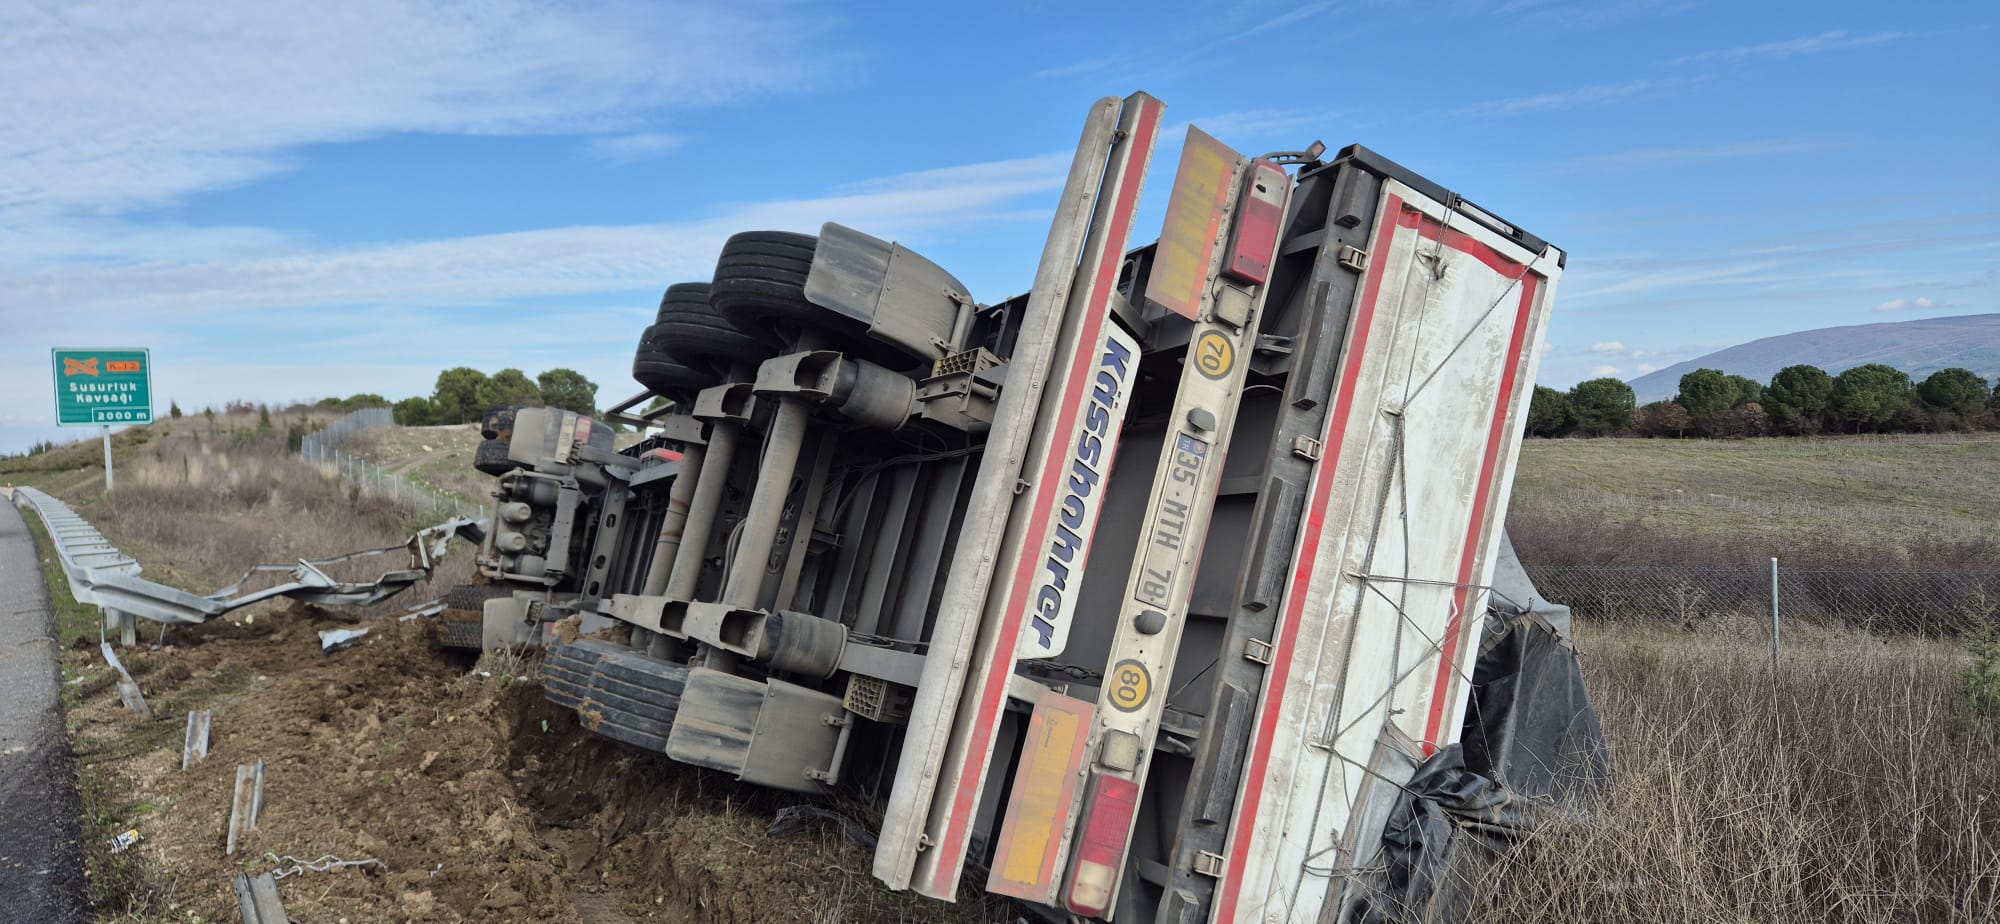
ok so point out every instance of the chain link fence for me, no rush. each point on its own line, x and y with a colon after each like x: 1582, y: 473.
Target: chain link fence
x: 323, y: 448
x: 1898, y: 601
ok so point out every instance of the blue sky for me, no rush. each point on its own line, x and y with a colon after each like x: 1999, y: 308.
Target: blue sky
x: 289, y: 200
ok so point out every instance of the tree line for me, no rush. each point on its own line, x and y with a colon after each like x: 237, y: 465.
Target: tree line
x: 1798, y: 401
x: 463, y: 393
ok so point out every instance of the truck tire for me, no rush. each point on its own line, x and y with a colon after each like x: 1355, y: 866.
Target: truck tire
x: 691, y: 331
x: 638, y: 739
x: 663, y: 375
x: 760, y: 285
x: 566, y: 671
x: 616, y: 692
x: 464, y: 616
x: 491, y: 457
x: 625, y: 700
x: 498, y: 424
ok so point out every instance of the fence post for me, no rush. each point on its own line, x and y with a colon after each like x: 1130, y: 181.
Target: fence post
x: 1774, y: 617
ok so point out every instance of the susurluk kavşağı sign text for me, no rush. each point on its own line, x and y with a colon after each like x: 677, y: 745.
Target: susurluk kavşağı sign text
x: 96, y: 387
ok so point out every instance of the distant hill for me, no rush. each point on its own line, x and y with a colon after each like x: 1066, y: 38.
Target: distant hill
x: 1918, y: 347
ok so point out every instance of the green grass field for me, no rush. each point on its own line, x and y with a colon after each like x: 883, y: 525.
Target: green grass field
x: 1886, y: 493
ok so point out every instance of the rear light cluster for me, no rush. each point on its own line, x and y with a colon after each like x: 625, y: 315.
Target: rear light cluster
x: 1100, y: 852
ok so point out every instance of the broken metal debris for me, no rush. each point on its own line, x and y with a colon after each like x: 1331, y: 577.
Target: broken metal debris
x: 420, y: 610
x: 128, y: 689
x: 101, y: 575
x: 195, y: 747
x: 257, y: 899
x: 246, y: 805
x: 332, y: 640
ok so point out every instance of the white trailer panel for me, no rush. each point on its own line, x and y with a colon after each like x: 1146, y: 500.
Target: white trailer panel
x: 1378, y: 622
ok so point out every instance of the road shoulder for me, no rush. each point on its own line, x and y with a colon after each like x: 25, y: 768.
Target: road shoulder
x: 41, y: 858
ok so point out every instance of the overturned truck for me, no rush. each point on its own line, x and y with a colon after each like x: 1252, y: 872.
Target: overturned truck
x: 1141, y: 596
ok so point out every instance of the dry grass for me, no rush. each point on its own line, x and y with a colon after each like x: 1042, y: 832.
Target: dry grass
x: 1844, y: 792
x: 1850, y: 790
x: 199, y: 503
x: 1896, y: 496
x: 438, y: 459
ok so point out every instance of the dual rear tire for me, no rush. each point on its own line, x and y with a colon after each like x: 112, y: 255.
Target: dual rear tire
x: 754, y: 309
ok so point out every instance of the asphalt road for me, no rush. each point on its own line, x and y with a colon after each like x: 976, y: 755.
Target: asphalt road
x: 41, y: 861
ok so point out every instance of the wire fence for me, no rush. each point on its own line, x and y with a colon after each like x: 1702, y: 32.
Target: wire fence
x: 1900, y: 601
x: 322, y: 448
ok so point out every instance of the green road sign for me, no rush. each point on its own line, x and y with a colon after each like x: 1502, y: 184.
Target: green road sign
x: 96, y: 387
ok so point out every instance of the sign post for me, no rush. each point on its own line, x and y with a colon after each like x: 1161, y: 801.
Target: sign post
x: 101, y: 388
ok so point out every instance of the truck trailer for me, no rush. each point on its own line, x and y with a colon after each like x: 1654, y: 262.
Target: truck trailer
x: 1141, y: 596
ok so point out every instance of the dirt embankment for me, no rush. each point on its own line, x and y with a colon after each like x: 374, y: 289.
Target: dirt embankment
x: 482, y: 801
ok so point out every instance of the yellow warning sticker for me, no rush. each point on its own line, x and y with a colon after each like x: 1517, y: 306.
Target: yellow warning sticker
x: 1213, y: 356
x: 1131, y: 685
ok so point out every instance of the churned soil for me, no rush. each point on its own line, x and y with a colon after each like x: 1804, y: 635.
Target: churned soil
x: 480, y: 800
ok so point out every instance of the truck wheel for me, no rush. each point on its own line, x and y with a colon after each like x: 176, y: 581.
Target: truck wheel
x: 498, y: 424
x: 760, y: 285
x: 491, y: 458
x: 662, y: 374
x: 690, y: 330
x: 464, y: 613
x: 617, y: 693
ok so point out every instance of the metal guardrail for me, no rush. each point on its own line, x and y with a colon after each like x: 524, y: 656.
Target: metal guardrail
x: 102, y: 576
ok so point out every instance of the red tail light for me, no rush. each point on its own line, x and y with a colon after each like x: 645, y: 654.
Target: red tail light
x: 1258, y: 216
x: 1100, y: 850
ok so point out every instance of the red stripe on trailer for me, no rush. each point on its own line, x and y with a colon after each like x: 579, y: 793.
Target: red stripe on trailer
x: 1428, y: 228
x: 958, y: 823
x: 1315, y: 526
x: 1476, y: 531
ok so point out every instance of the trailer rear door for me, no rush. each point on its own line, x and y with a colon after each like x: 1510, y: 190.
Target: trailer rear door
x: 1377, y: 626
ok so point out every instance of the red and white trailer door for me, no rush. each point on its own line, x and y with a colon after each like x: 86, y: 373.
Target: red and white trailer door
x: 1381, y: 614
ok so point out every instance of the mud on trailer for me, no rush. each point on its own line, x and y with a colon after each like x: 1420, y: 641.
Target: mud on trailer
x: 1137, y: 596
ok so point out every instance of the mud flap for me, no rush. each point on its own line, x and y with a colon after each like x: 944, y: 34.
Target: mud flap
x: 774, y: 733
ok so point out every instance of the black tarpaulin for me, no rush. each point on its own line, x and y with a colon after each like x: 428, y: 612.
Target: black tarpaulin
x: 1531, y: 748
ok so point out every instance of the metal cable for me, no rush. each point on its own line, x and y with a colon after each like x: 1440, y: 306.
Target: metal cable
x: 326, y: 863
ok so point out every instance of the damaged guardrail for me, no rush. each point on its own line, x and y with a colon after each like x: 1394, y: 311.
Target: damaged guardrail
x: 102, y: 576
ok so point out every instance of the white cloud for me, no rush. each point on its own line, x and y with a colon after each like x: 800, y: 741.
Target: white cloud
x: 1804, y: 45
x: 1682, y: 156
x: 1544, y: 349
x: 1646, y: 367
x: 1596, y: 94
x: 266, y: 274
x: 1601, y: 371
x: 1256, y: 124
x: 626, y: 149
x: 1612, y: 346
x: 1906, y: 304
x: 1078, y: 69
x: 1838, y: 260
x: 1289, y: 17
x: 120, y: 106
